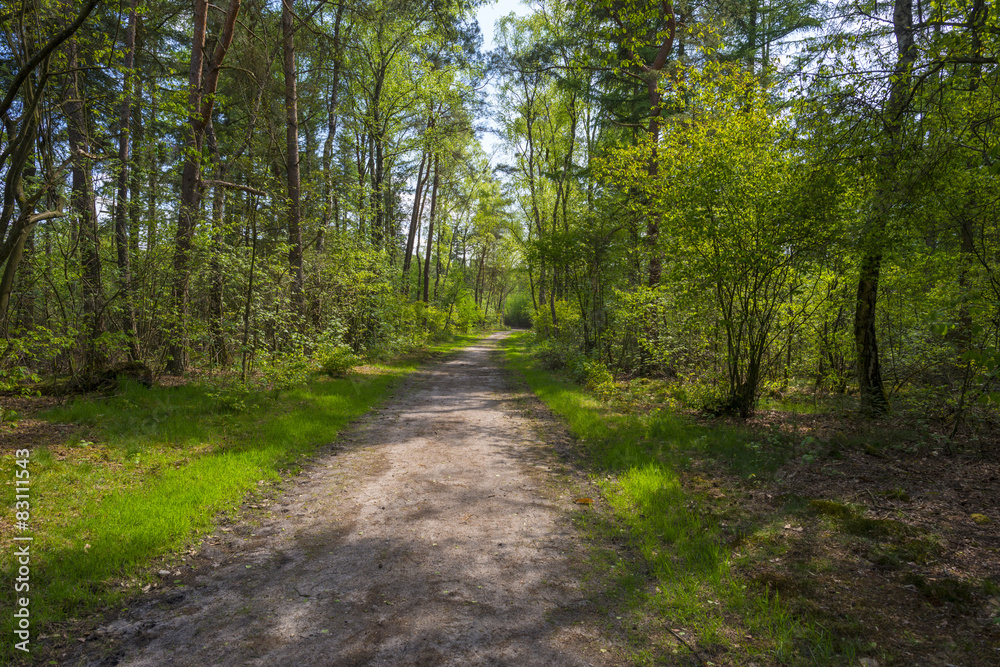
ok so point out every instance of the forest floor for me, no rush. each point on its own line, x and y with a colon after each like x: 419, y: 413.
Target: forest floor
x: 874, y: 531
x: 436, y: 531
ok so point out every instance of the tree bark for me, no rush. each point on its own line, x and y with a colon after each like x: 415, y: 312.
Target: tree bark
x: 122, y: 200
x: 873, y: 397
x: 332, y: 199
x: 430, y: 230
x: 84, y: 205
x: 216, y: 311
x: 414, y: 220
x: 293, y: 175
x: 201, y: 99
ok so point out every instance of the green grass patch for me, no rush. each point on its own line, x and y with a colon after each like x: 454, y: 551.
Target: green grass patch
x: 148, y: 470
x: 683, y: 575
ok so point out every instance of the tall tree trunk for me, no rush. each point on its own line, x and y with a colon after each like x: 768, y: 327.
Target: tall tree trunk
x: 967, y: 216
x: 437, y: 262
x: 201, y: 99
x: 414, y: 219
x: 216, y: 312
x: 137, y: 136
x: 22, y: 165
x: 430, y: 230
x: 332, y: 209
x: 153, y: 184
x: 292, y: 159
x: 122, y: 201
x: 84, y: 205
x: 871, y: 388
x: 653, y: 73
x: 9, y: 269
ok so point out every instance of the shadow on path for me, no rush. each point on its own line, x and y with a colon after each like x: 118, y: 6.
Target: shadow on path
x: 427, y: 536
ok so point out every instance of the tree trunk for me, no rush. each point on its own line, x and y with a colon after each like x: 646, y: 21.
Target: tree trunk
x: 122, y: 201
x: 873, y: 397
x: 653, y: 73
x: 292, y: 159
x: 414, y: 220
x: 332, y: 198
x: 84, y: 205
x: 201, y: 99
x: 136, y: 136
x: 430, y: 230
x: 216, y: 312
x: 152, y: 187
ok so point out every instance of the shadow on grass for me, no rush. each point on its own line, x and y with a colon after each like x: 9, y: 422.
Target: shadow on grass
x: 678, y: 567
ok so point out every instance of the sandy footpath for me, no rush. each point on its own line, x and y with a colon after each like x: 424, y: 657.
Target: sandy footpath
x: 436, y: 531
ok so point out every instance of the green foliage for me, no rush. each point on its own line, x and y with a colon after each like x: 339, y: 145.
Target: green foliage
x: 26, y: 350
x: 517, y: 311
x: 336, y: 361
x: 286, y: 371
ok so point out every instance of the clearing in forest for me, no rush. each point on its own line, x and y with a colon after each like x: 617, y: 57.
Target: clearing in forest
x: 437, y: 531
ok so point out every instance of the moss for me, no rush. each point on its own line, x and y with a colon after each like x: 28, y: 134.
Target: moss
x: 919, y: 551
x: 832, y: 509
x: 950, y: 590
x: 876, y: 528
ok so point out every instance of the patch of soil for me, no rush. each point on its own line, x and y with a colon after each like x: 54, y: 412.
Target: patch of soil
x: 26, y: 430
x: 437, y: 531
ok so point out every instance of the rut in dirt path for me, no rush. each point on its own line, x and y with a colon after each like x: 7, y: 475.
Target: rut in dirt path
x: 435, y: 537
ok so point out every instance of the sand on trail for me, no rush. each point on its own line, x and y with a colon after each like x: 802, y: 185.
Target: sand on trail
x: 435, y: 531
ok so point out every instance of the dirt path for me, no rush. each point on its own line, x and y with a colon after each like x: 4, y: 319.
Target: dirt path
x: 434, y: 533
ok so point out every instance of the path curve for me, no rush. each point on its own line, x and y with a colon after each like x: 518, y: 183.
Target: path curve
x: 432, y: 534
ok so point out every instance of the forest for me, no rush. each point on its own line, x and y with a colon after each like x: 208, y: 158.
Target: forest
x: 780, y: 217
x: 741, y: 196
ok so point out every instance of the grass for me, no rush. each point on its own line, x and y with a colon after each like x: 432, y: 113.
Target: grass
x: 148, y: 470
x: 683, y: 574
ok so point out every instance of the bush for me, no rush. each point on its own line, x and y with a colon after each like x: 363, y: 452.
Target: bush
x: 555, y: 355
x: 287, y: 371
x: 336, y: 361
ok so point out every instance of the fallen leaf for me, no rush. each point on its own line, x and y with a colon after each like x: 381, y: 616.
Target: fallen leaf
x: 584, y: 501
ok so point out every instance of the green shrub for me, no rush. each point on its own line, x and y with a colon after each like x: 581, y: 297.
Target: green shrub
x: 336, y: 361
x: 287, y: 371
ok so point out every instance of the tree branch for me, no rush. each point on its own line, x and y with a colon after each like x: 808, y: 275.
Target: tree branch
x: 29, y: 67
